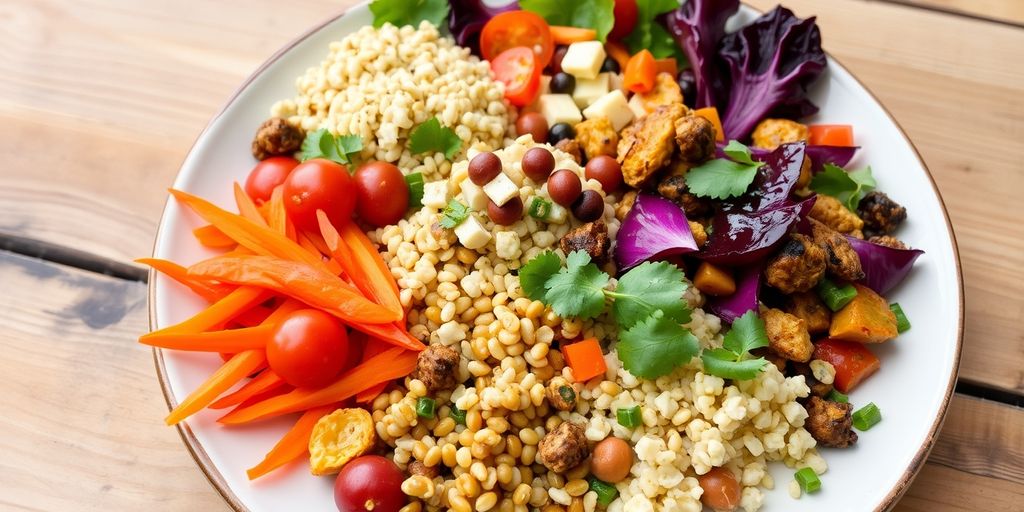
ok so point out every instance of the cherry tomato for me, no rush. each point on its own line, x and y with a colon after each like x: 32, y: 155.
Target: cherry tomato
x: 308, y: 349
x: 267, y: 175
x: 319, y: 185
x: 626, y: 13
x: 517, y: 28
x: 369, y: 483
x: 517, y: 68
x: 382, y: 196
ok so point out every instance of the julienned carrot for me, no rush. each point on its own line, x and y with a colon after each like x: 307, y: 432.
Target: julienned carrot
x: 212, y: 237
x: 293, y: 445
x: 359, y: 264
x: 231, y: 340
x: 277, y: 216
x: 372, y: 347
x: 368, y: 395
x: 391, y: 364
x: 220, y: 312
x: 311, y: 285
x: 568, y: 35
x: 618, y: 52
x: 204, y: 289
x: 246, y: 208
x: 240, y: 366
x: 366, y: 254
x: 391, y: 333
x: 265, y: 381
x: 253, y: 316
x: 260, y: 239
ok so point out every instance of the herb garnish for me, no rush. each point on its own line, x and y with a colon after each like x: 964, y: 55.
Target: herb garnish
x: 454, y: 214
x: 849, y: 187
x: 596, y: 14
x: 409, y: 12
x: 337, y: 148
x: 415, y: 183
x: 722, y: 178
x: 732, y: 361
x: 431, y: 137
x: 650, y: 35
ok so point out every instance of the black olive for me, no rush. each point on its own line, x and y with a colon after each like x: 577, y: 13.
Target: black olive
x: 610, y: 65
x: 688, y: 86
x: 560, y: 131
x: 562, y: 83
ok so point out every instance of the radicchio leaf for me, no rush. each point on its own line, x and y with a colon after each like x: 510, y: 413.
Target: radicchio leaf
x: 655, y: 227
x: 884, y: 267
x: 698, y: 26
x: 746, y: 297
x: 739, y: 237
x: 467, y: 18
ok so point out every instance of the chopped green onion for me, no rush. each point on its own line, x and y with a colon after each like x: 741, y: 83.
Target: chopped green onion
x: 567, y: 394
x: 808, y: 480
x: 425, y: 407
x: 415, y: 182
x: 902, y: 323
x: 835, y: 297
x: 836, y: 396
x: 458, y: 415
x: 866, y: 417
x: 540, y: 208
x: 629, y: 418
x: 606, y: 492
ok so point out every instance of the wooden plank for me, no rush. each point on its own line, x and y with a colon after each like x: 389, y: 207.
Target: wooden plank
x: 1007, y: 11
x: 82, y: 409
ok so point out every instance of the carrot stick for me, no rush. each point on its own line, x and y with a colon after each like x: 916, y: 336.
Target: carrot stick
x: 246, y: 208
x: 360, y: 263
x: 210, y: 236
x: 253, y: 316
x: 305, y: 283
x: 368, y: 395
x: 240, y: 366
x: 218, y: 313
x: 568, y: 35
x: 372, y: 347
x: 204, y: 289
x: 391, y: 333
x: 277, y: 218
x: 392, y: 364
x: 267, y: 380
x: 231, y: 340
x: 366, y: 254
x: 293, y: 445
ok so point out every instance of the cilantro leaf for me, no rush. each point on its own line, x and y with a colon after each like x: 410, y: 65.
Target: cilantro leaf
x: 415, y: 183
x: 722, y: 363
x: 578, y: 290
x: 596, y: 14
x: 337, y: 148
x: 533, y: 276
x: 649, y: 34
x: 430, y: 136
x: 724, y: 177
x: 454, y: 214
x: 746, y: 334
x: 732, y: 360
x: 409, y: 12
x: 656, y: 346
x: 848, y: 187
x: 348, y: 145
x: 648, y: 288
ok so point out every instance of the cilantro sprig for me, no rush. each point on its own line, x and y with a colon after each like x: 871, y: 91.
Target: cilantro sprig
x: 722, y: 178
x: 416, y: 184
x: 733, y: 360
x: 408, y: 12
x: 655, y: 346
x: 849, y: 187
x: 454, y: 214
x: 323, y: 144
x: 431, y: 137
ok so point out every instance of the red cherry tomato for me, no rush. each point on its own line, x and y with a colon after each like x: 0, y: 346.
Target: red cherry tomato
x: 626, y: 14
x: 267, y: 175
x: 517, y: 68
x: 517, y: 28
x: 369, y: 483
x: 308, y: 349
x: 319, y: 185
x: 382, y: 196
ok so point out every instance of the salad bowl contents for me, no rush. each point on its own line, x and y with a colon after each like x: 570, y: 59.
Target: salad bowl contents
x: 588, y: 255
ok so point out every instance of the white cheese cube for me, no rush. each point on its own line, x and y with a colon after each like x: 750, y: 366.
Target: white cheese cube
x: 559, y: 108
x: 501, y: 189
x: 583, y: 60
x: 615, y: 81
x: 506, y: 244
x: 473, y: 195
x: 471, y: 233
x: 557, y: 214
x: 613, y: 106
x: 435, y: 194
x: 637, y: 106
x: 588, y: 91
x: 545, y: 88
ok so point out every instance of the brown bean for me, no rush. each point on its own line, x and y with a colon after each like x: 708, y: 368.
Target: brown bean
x: 484, y: 167
x: 534, y: 124
x: 564, y: 187
x: 611, y: 460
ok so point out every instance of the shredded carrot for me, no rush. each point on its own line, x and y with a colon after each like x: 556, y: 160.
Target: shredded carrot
x: 231, y: 340
x: 253, y: 316
x: 212, y: 237
x: 568, y: 35
x: 392, y: 364
x: 202, y: 288
x: 391, y: 333
x: 312, y: 285
x: 639, y: 74
x: 360, y: 264
x: 368, y: 395
x: 246, y: 208
x: 277, y: 217
x: 240, y: 366
x: 220, y: 312
x: 267, y: 380
x: 293, y: 445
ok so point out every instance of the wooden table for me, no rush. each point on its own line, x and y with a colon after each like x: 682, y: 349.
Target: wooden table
x: 101, y: 99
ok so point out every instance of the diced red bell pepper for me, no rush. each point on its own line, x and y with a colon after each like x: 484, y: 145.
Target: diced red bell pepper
x: 585, y: 359
x: 853, y: 361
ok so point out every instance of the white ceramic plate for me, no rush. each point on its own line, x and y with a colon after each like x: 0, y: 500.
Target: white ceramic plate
x: 912, y: 389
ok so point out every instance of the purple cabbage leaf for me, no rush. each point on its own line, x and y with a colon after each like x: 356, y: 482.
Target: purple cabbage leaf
x: 746, y: 297
x: 698, y: 26
x: 884, y: 267
x: 655, y: 227
x: 819, y: 155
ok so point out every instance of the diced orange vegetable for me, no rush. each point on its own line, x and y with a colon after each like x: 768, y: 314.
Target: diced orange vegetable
x: 831, y: 135
x: 667, y: 65
x: 711, y: 114
x: 220, y: 312
x: 585, y: 359
x: 568, y: 35
x: 239, y: 367
x: 865, y: 319
x: 640, y: 72
x: 618, y: 52
x: 267, y: 380
x: 853, y: 362
x: 204, y: 289
x: 246, y: 208
x: 231, y: 340
x: 361, y: 263
x: 714, y: 280
x: 212, y: 237
x: 293, y: 445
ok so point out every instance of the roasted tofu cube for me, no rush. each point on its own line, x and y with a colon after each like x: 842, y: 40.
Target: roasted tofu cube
x: 648, y: 144
x: 597, y: 137
x: 831, y: 212
x: 808, y: 307
x: 830, y: 423
x: 787, y: 335
x: 772, y: 133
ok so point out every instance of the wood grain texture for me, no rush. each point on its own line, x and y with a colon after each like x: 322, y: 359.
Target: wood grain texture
x: 1008, y: 11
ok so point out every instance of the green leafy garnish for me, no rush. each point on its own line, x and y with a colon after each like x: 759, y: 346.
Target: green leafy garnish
x: 724, y: 177
x: 732, y: 360
x: 454, y: 214
x: 415, y: 183
x: 534, y: 276
x: 540, y: 208
x: 578, y: 289
x: 651, y: 35
x: 337, y: 148
x: 849, y: 187
x: 431, y: 137
x: 596, y: 14
x: 408, y: 12
x: 655, y: 346
x: 650, y: 287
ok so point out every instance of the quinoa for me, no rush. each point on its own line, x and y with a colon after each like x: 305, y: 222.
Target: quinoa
x: 381, y: 83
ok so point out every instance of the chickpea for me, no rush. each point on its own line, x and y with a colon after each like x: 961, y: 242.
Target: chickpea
x: 611, y: 460
x: 721, y: 491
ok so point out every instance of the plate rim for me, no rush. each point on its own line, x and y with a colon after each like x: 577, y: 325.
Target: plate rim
x: 216, y: 479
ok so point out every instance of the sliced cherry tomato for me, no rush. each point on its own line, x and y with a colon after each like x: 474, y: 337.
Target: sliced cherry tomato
x: 853, y: 361
x: 308, y: 349
x: 319, y: 184
x: 383, y: 195
x: 267, y: 175
x: 626, y: 13
x: 831, y: 135
x: 517, y: 68
x: 517, y: 28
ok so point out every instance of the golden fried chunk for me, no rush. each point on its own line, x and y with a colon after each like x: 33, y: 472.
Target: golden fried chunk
x: 276, y: 137
x: 797, y: 267
x: 830, y: 423
x: 563, y: 448
x: 771, y: 133
x: 808, y: 307
x: 625, y: 204
x: 571, y: 148
x: 881, y: 214
x: 338, y: 438
x: 787, y: 335
x: 805, y: 174
x: 666, y: 92
x: 888, y: 241
x: 597, y: 137
x: 591, y: 238
x: 648, y: 144
x: 830, y: 212
x: 700, y: 235
x: 696, y: 138
x: 842, y: 260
